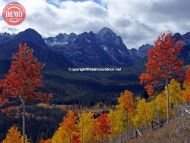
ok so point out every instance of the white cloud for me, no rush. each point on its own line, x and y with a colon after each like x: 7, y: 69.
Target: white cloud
x: 137, y: 21
x: 70, y: 16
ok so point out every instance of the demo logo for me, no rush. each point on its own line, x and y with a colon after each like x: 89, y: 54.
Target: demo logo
x: 14, y: 13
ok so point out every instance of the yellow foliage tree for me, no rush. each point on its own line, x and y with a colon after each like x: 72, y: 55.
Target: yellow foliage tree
x: 67, y: 130
x: 175, y: 92
x: 154, y: 112
x: 14, y: 136
x: 161, y: 105
x: 143, y: 113
x: 86, y: 127
x: 60, y: 136
x: 117, y: 122
x: 126, y: 106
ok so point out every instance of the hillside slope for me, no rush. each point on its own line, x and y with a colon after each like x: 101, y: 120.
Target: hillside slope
x: 178, y: 131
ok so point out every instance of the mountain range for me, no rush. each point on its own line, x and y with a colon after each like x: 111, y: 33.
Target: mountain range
x: 87, y: 49
x: 102, y: 49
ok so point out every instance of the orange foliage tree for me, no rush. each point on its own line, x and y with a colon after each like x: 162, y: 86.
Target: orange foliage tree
x: 103, y: 127
x: 23, y: 79
x: 186, y: 96
x: 186, y: 92
x: 126, y: 102
x: 76, y: 137
x: 14, y: 136
x: 187, y: 76
x: 163, y: 64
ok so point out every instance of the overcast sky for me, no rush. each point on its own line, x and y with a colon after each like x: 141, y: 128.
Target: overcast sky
x: 136, y: 21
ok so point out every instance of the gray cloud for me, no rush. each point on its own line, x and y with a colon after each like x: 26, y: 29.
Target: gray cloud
x: 172, y: 9
x: 122, y: 22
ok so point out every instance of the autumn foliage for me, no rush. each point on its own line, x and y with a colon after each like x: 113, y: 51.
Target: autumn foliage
x: 22, y: 82
x: 103, y: 126
x: 126, y: 107
x: 68, y: 131
x: 126, y: 102
x: 186, y: 92
x: 117, y: 123
x: 45, y: 141
x: 162, y: 68
x: 14, y: 136
x: 23, y: 78
x: 187, y: 76
x: 85, y: 128
x: 163, y: 63
x: 86, y: 125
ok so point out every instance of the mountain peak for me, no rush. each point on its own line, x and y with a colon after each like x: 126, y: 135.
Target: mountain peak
x: 145, y: 47
x: 5, y: 34
x: 106, y: 35
x: 61, y: 35
x: 187, y: 34
x: 186, y: 38
x: 143, y: 50
x: 30, y: 30
x: 177, y: 36
x: 106, y: 30
x: 4, y: 37
x: 31, y: 35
